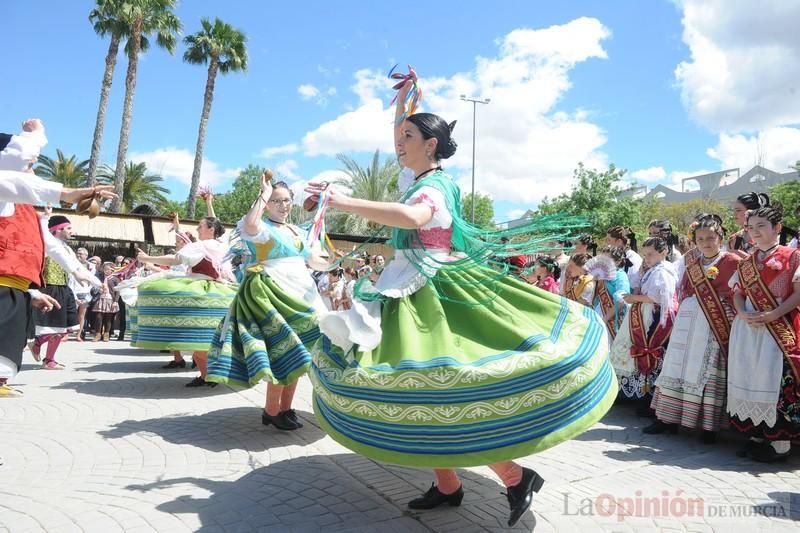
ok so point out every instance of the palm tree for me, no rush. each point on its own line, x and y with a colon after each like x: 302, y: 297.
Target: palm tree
x: 69, y: 172
x: 107, y: 19
x: 140, y: 187
x: 377, y: 182
x: 222, y: 47
x: 143, y: 17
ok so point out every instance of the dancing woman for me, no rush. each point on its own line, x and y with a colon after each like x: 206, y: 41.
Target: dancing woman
x: 272, y: 321
x: 182, y: 313
x: 447, y: 363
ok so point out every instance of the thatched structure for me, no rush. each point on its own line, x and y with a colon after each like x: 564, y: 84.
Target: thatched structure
x: 111, y: 234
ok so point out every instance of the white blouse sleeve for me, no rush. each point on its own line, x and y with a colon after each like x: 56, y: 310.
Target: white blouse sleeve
x: 263, y: 235
x: 191, y: 254
x: 433, y: 198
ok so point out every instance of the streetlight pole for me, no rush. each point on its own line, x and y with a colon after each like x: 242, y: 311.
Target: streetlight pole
x: 475, y: 101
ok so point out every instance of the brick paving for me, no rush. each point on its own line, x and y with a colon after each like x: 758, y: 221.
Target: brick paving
x: 114, y: 443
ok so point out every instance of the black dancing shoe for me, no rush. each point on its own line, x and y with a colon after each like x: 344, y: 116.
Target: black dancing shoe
x: 520, y: 495
x: 292, y: 416
x: 280, y: 421
x: 434, y: 498
x: 765, y: 453
x: 175, y: 364
x: 196, y: 382
x: 658, y: 427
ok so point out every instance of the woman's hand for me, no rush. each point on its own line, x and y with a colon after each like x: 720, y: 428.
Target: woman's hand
x: 141, y: 256
x: 315, y: 188
x: 630, y: 298
x: 266, y: 184
x: 72, y: 196
x: 758, y: 319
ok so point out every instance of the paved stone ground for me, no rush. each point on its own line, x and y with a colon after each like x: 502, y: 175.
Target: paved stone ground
x: 114, y: 443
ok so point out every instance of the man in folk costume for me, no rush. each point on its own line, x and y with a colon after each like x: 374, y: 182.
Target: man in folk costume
x: 764, y: 356
x: 53, y: 326
x: 24, y: 244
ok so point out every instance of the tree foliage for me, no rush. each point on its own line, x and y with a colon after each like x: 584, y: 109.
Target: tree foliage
x: 484, y: 210
x: 595, y: 196
x: 376, y: 182
x: 68, y: 171
x: 788, y: 194
x: 222, y: 48
x: 140, y: 187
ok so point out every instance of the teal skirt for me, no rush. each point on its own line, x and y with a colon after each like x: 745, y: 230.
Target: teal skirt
x: 269, y: 332
x: 180, y: 313
x: 459, y: 382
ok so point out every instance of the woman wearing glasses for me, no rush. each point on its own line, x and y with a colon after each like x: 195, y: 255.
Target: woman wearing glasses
x: 272, y: 321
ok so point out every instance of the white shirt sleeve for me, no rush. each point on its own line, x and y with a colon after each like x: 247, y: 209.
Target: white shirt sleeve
x: 191, y: 254
x: 22, y: 149
x: 27, y: 188
x: 433, y: 198
x: 263, y: 235
x: 59, y: 253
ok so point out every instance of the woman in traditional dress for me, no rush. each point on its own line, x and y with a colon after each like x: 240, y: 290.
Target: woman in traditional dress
x: 578, y: 284
x: 447, y: 363
x: 764, y: 359
x: 610, y: 285
x: 272, y: 321
x: 585, y: 244
x: 625, y: 238
x: 182, y: 313
x: 638, y: 349
x: 663, y: 229
x: 692, y: 386
x: 739, y: 242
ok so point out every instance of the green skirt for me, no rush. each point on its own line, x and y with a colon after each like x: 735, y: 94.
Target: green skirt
x: 180, y: 313
x: 268, y: 333
x: 466, y: 383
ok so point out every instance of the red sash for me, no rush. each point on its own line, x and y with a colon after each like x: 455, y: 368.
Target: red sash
x: 709, y: 302
x: 607, y: 305
x: 755, y: 279
x: 647, y: 352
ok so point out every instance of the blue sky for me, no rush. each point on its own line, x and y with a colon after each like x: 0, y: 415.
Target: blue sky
x: 570, y: 81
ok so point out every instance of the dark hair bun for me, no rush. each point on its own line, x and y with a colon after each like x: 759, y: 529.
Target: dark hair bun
x: 443, y: 152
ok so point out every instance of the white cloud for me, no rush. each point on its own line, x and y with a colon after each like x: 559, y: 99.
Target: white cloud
x: 272, y: 151
x: 311, y: 92
x: 286, y: 171
x: 307, y: 91
x: 649, y: 175
x: 744, y: 70
x: 178, y: 163
x: 775, y: 149
x: 514, y: 214
x: 526, y: 147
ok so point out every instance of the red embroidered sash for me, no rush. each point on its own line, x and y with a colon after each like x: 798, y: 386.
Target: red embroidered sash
x: 647, y: 352
x: 710, y: 303
x: 782, y: 330
x: 607, y: 306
